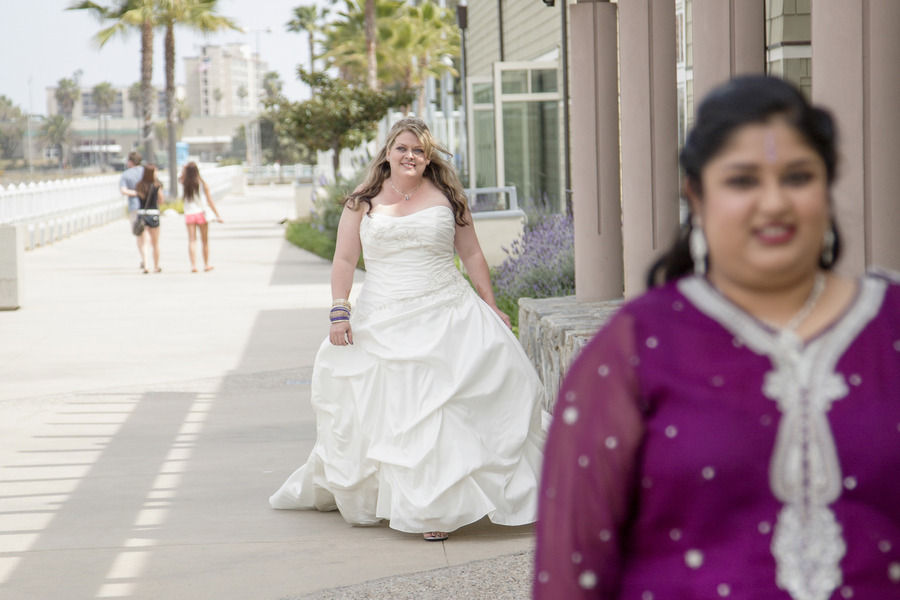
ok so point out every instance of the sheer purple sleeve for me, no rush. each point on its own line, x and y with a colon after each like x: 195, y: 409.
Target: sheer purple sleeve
x: 589, y: 470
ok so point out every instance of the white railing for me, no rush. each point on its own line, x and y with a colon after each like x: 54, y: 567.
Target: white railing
x: 222, y: 180
x: 266, y: 174
x: 493, y: 202
x: 51, y: 210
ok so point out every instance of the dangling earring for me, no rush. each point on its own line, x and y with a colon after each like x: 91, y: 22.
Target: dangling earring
x: 828, y: 247
x: 698, y: 247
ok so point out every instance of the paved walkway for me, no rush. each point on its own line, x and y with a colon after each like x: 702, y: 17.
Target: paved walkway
x: 145, y: 420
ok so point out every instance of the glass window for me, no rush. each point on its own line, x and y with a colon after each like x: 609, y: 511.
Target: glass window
x: 543, y: 80
x: 483, y: 93
x: 531, y: 148
x: 485, y: 148
x: 514, y: 82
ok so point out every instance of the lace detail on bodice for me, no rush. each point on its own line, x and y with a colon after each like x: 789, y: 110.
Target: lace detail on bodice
x: 385, y: 233
x: 804, y: 472
x: 409, y: 263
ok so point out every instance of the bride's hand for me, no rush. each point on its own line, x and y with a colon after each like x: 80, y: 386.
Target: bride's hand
x: 503, y: 316
x: 340, y: 334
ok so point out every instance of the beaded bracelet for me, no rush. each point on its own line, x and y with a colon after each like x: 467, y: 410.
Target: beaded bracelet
x: 340, y: 311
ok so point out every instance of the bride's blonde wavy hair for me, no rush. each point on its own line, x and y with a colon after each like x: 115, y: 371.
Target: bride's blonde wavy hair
x: 439, y: 171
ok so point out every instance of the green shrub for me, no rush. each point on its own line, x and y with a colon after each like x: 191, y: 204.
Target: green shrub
x: 178, y: 206
x: 308, y: 237
x: 319, y: 234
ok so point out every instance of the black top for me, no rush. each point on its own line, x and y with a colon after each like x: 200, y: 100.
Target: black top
x: 150, y: 201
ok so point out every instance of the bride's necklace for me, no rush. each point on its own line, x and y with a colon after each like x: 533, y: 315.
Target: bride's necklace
x: 409, y: 195
x: 814, y: 295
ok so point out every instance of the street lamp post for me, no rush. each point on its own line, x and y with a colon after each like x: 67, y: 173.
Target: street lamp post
x: 462, y: 19
x: 28, y: 127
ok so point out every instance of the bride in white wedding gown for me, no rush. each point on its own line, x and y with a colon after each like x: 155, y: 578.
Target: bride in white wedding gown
x: 428, y: 412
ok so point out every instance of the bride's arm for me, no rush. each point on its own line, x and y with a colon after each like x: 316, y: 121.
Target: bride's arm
x: 346, y: 255
x: 472, y: 258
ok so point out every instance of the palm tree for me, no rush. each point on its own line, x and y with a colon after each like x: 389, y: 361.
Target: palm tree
x: 182, y: 113
x: 130, y: 14
x: 433, y: 34
x: 305, y: 19
x: 272, y: 85
x: 217, y: 96
x: 194, y: 14
x: 241, y: 94
x: 103, y: 95
x: 56, y: 131
x: 66, y: 96
x: 371, y: 59
x: 134, y: 96
x: 13, y: 125
x: 345, y: 40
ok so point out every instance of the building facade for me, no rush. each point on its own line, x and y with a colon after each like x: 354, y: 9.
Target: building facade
x: 100, y: 139
x: 224, y: 80
x: 627, y: 73
x: 514, y: 88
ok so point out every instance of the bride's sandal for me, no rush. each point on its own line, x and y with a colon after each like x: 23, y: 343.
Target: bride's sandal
x: 435, y: 536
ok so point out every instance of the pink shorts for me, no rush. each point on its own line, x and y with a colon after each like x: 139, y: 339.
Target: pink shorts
x: 196, y: 219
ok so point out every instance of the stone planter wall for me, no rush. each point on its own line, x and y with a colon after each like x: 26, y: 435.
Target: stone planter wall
x: 554, y: 330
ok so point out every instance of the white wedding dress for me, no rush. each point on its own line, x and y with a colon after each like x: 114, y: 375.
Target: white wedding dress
x: 432, y: 419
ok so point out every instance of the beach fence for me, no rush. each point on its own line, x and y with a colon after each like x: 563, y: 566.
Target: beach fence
x: 36, y: 214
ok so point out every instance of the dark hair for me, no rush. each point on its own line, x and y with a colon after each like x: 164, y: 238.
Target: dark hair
x: 148, y: 181
x: 191, y: 181
x: 739, y: 102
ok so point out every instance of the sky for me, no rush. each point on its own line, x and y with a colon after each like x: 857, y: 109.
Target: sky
x: 41, y: 42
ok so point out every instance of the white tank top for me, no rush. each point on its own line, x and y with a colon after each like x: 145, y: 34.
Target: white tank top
x: 197, y: 204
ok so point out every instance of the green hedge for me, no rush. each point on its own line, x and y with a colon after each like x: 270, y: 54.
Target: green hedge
x: 307, y: 236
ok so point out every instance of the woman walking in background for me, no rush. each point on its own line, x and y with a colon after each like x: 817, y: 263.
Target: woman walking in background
x: 149, y: 191
x: 195, y: 213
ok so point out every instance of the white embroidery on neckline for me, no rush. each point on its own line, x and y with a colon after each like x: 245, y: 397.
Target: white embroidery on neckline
x: 804, y: 472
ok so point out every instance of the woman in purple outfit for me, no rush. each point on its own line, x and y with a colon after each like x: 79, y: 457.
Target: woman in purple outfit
x: 735, y: 431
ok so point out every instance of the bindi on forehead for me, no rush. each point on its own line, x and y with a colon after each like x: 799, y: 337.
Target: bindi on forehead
x: 770, y: 147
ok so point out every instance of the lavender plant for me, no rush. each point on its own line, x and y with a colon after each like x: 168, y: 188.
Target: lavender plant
x: 540, y: 264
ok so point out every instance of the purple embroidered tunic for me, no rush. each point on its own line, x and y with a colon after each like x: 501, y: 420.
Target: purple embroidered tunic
x: 697, y: 453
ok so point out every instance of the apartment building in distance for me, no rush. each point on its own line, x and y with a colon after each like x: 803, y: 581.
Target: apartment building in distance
x: 108, y: 137
x: 224, y: 90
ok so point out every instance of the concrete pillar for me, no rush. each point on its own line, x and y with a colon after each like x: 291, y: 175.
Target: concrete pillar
x: 856, y: 50
x: 596, y: 201
x: 649, y: 134
x: 12, y: 267
x: 729, y: 40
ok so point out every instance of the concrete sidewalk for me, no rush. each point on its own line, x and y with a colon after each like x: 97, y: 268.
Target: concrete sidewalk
x: 145, y: 420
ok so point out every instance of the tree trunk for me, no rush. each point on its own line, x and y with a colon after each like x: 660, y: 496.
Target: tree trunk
x: 423, y: 83
x: 99, y: 136
x: 312, y: 53
x: 371, y: 60
x: 336, y: 163
x: 170, y: 108
x: 423, y: 100
x: 106, y: 137
x: 147, y: 91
